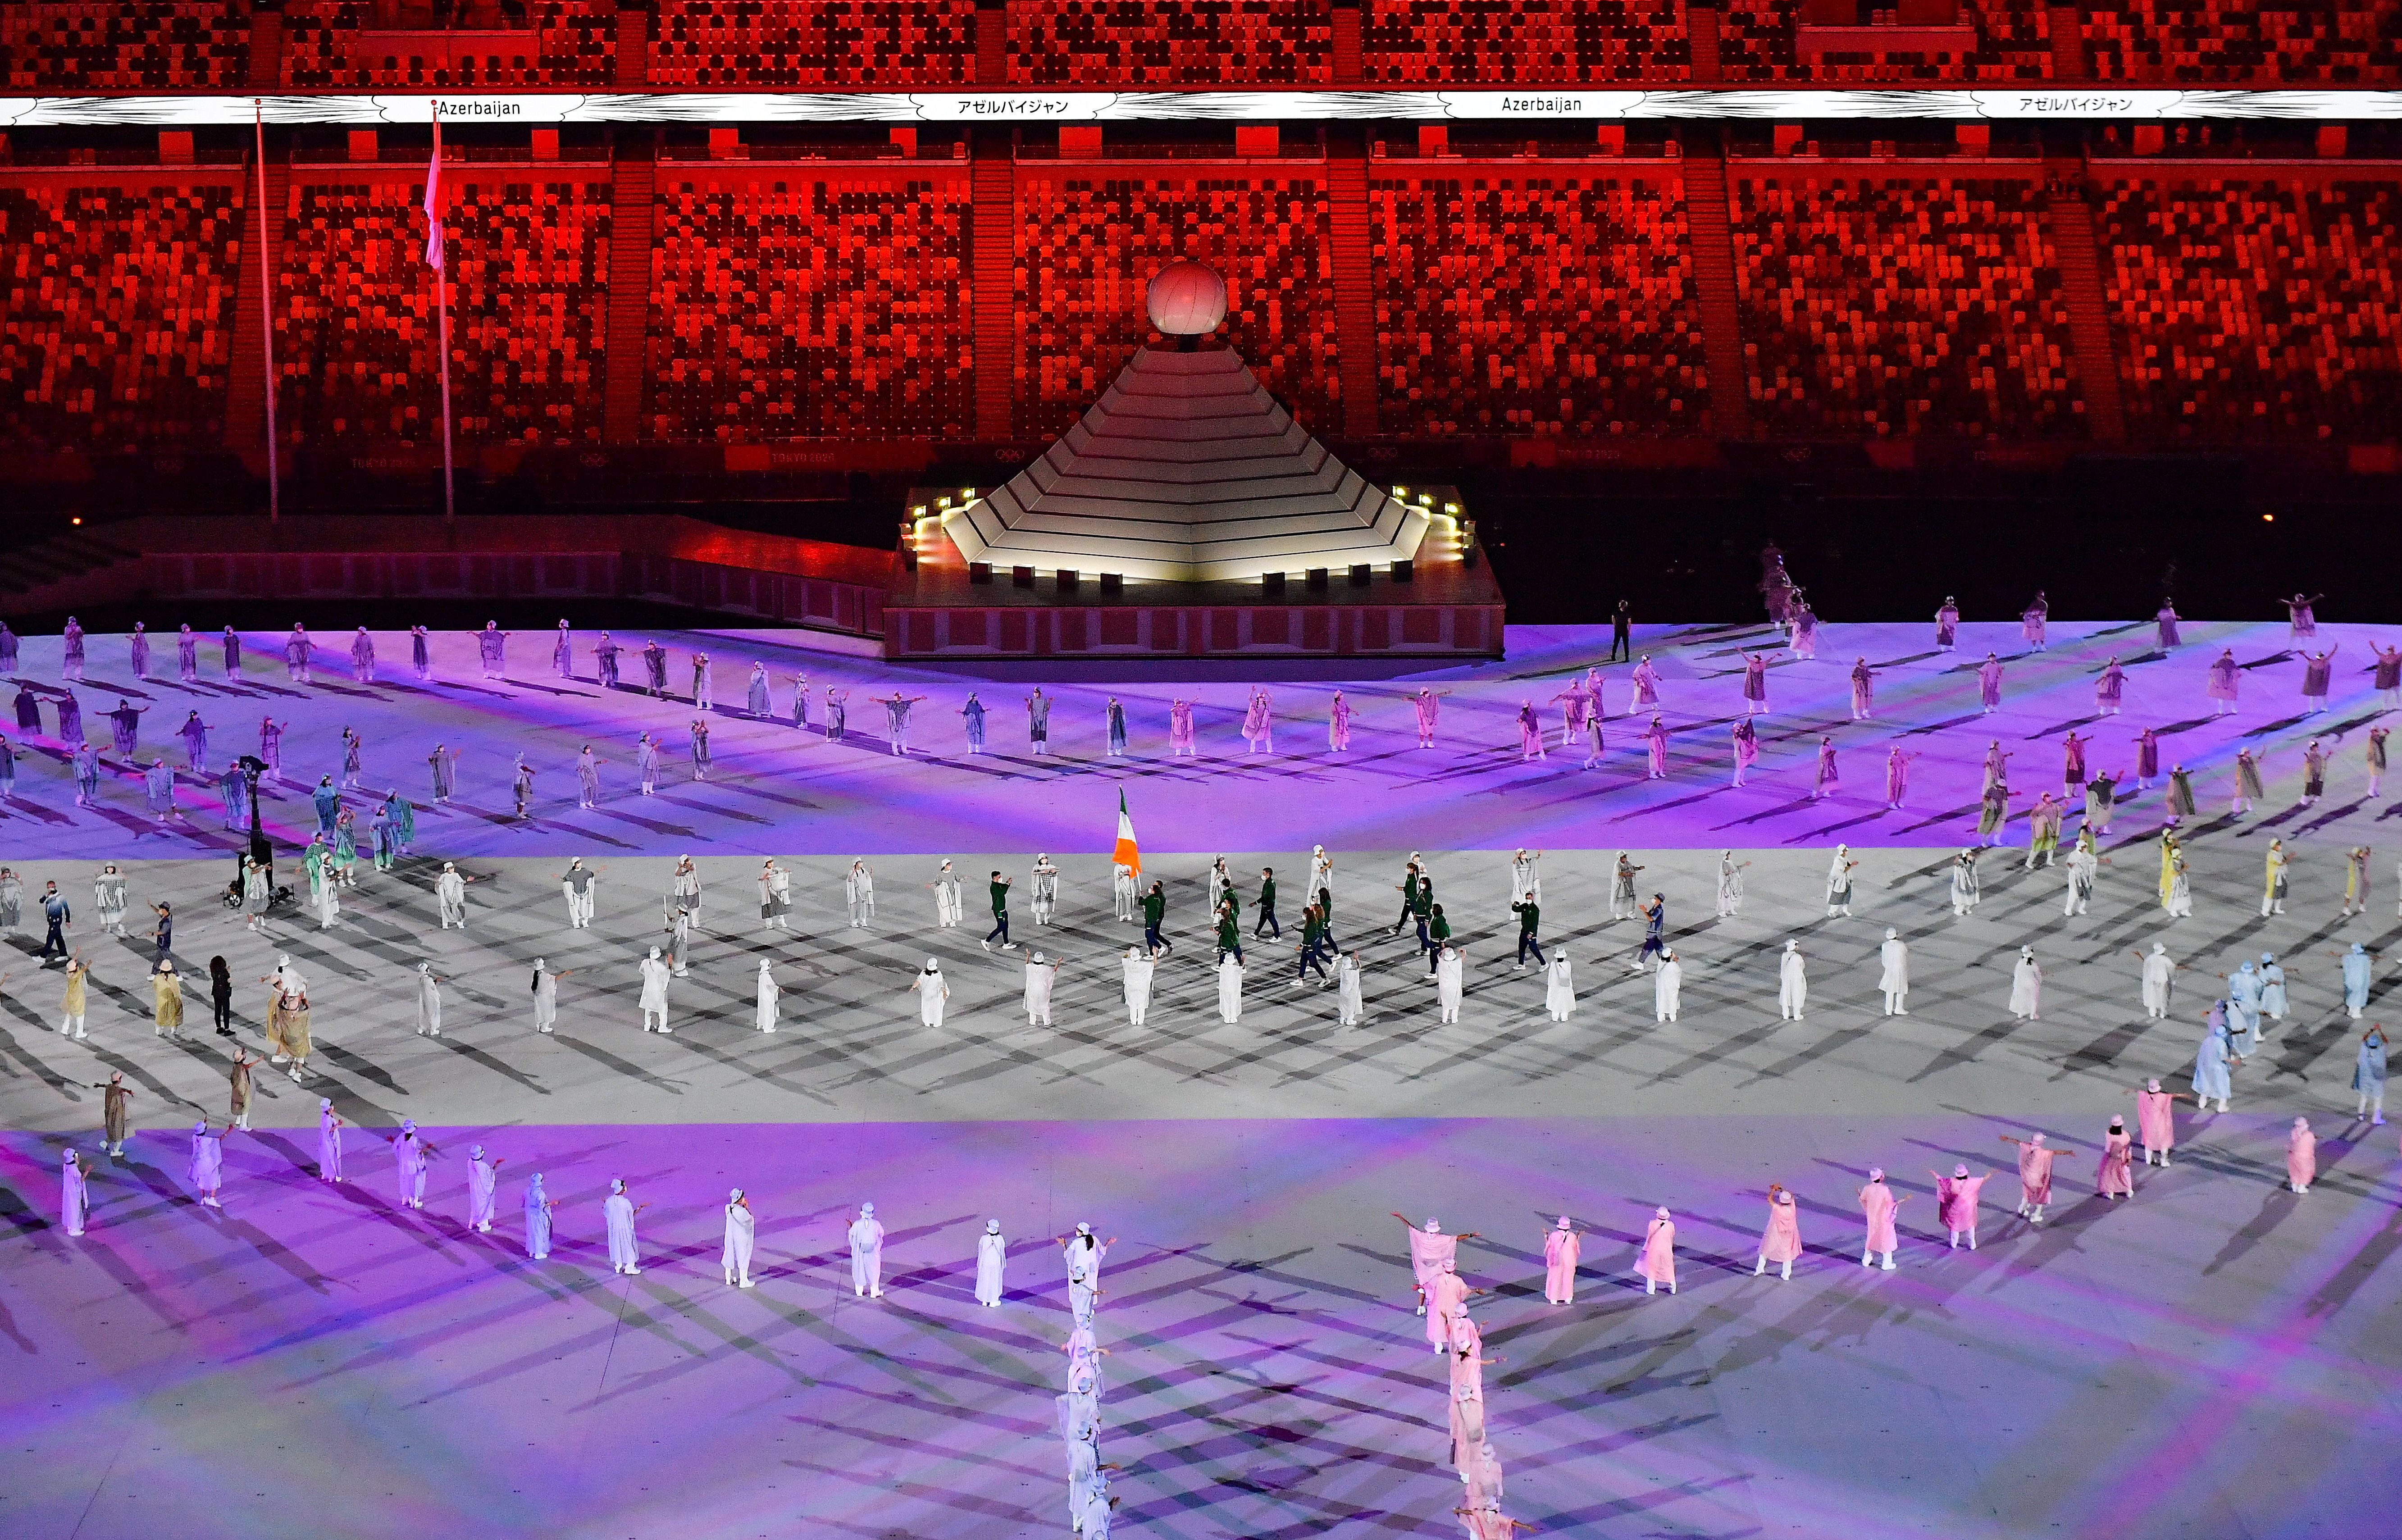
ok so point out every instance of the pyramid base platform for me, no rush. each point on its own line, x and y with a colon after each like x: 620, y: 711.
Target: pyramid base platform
x: 1450, y: 609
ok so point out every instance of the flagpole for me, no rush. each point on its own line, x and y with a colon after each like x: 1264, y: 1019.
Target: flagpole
x: 266, y: 314
x: 442, y: 308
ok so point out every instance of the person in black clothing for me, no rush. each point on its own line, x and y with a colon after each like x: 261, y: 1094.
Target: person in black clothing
x: 1530, y: 917
x: 221, y: 996
x: 1230, y: 935
x: 55, y: 917
x: 1154, y: 908
x: 1000, y: 914
x: 1267, y: 919
x: 1620, y: 645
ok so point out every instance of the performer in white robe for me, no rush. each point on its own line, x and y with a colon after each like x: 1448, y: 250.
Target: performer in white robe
x: 1559, y: 987
x: 329, y: 1143
x: 1084, y: 1252
x: 1964, y: 883
x: 1792, y: 983
x: 1893, y: 983
x: 992, y: 1258
x: 545, y: 990
x: 1139, y: 968
x: 1040, y: 976
x: 1667, y: 987
x: 1123, y: 901
x: 742, y: 1229
x: 1839, y: 881
x: 429, y: 1001
x: 2083, y: 867
x: 764, y: 1017
x: 483, y: 1182
x: 451, y: 894
x: 859, y: 893
x: 654, y: 1002
x: 932, y: 990
x: 538, y: 1205
x: 75, y: 1194
x: 1450, y: 982
x: 1526, y: 875
x: 577, y: 884
x: 1046, y: 888
x: 206, y: 1167
x: 2026, y: 987
x: 1230, y: 989
x: 866, y: 1239
x: 946, y: 897
x: 775, y: 897
x: 2160, y: 981
x: 409, y: 1165
x: 1730, y: 884
x: 618, y: 1211
x: 1349, y: 1006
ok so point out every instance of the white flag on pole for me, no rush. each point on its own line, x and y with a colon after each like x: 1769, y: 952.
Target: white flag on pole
x: 433, y: 202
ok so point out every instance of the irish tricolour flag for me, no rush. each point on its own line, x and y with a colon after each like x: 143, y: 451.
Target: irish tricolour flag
x: 1126, y: 855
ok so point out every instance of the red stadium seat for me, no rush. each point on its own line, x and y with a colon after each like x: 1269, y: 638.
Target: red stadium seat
x: 1876, y: 305
x: 121, y: 306
x: 2357, y: 42
x: 2253, y: 308
x: 767, y: 45
x: 1413, y: 42
x: 1177, y: 43
x: 131, y: 46
x: 1536, y: 303
x: 793, y: 306
x: 1759, y: 44
x: 355, y: 324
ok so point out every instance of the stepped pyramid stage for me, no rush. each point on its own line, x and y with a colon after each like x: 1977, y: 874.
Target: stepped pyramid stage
x: 1188, y: 471
x: 1188, y: 517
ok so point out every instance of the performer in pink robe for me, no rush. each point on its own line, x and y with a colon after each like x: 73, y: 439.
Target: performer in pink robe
x: 1746, y: 747
x: 2072, y: 763
x: 1179, y: 729
x: 2156, y: 1121
x: 1647, y: 688
x: 1656, y: 738
x: 1531, y: 731
x: 1897, y: 777
x: 2031, y: 621
x: 1989, y: 683
x: 1863, y: 691
x: 2117, y: 1178
x: 2316, y: 668
x: 2034, y: 1174
x: 1947, y: 625
x: 1780, y: 1243
x: 1561, y: 1248
x: 1428, y: 704
x: 2165, y: 622
x: 2223, y: 683
x: 1657, y: 1264
x: 2109, y: 690
x: 2301, y: 1155
x: 1956, y: 1197
x: 1825, y: 783
x: 1572, y: 701
x: 1755, y: 683
x: 1446, y: 1293
x: 1878, y: 1203
x: 1338, y: 723
x: 1429, y: 1248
